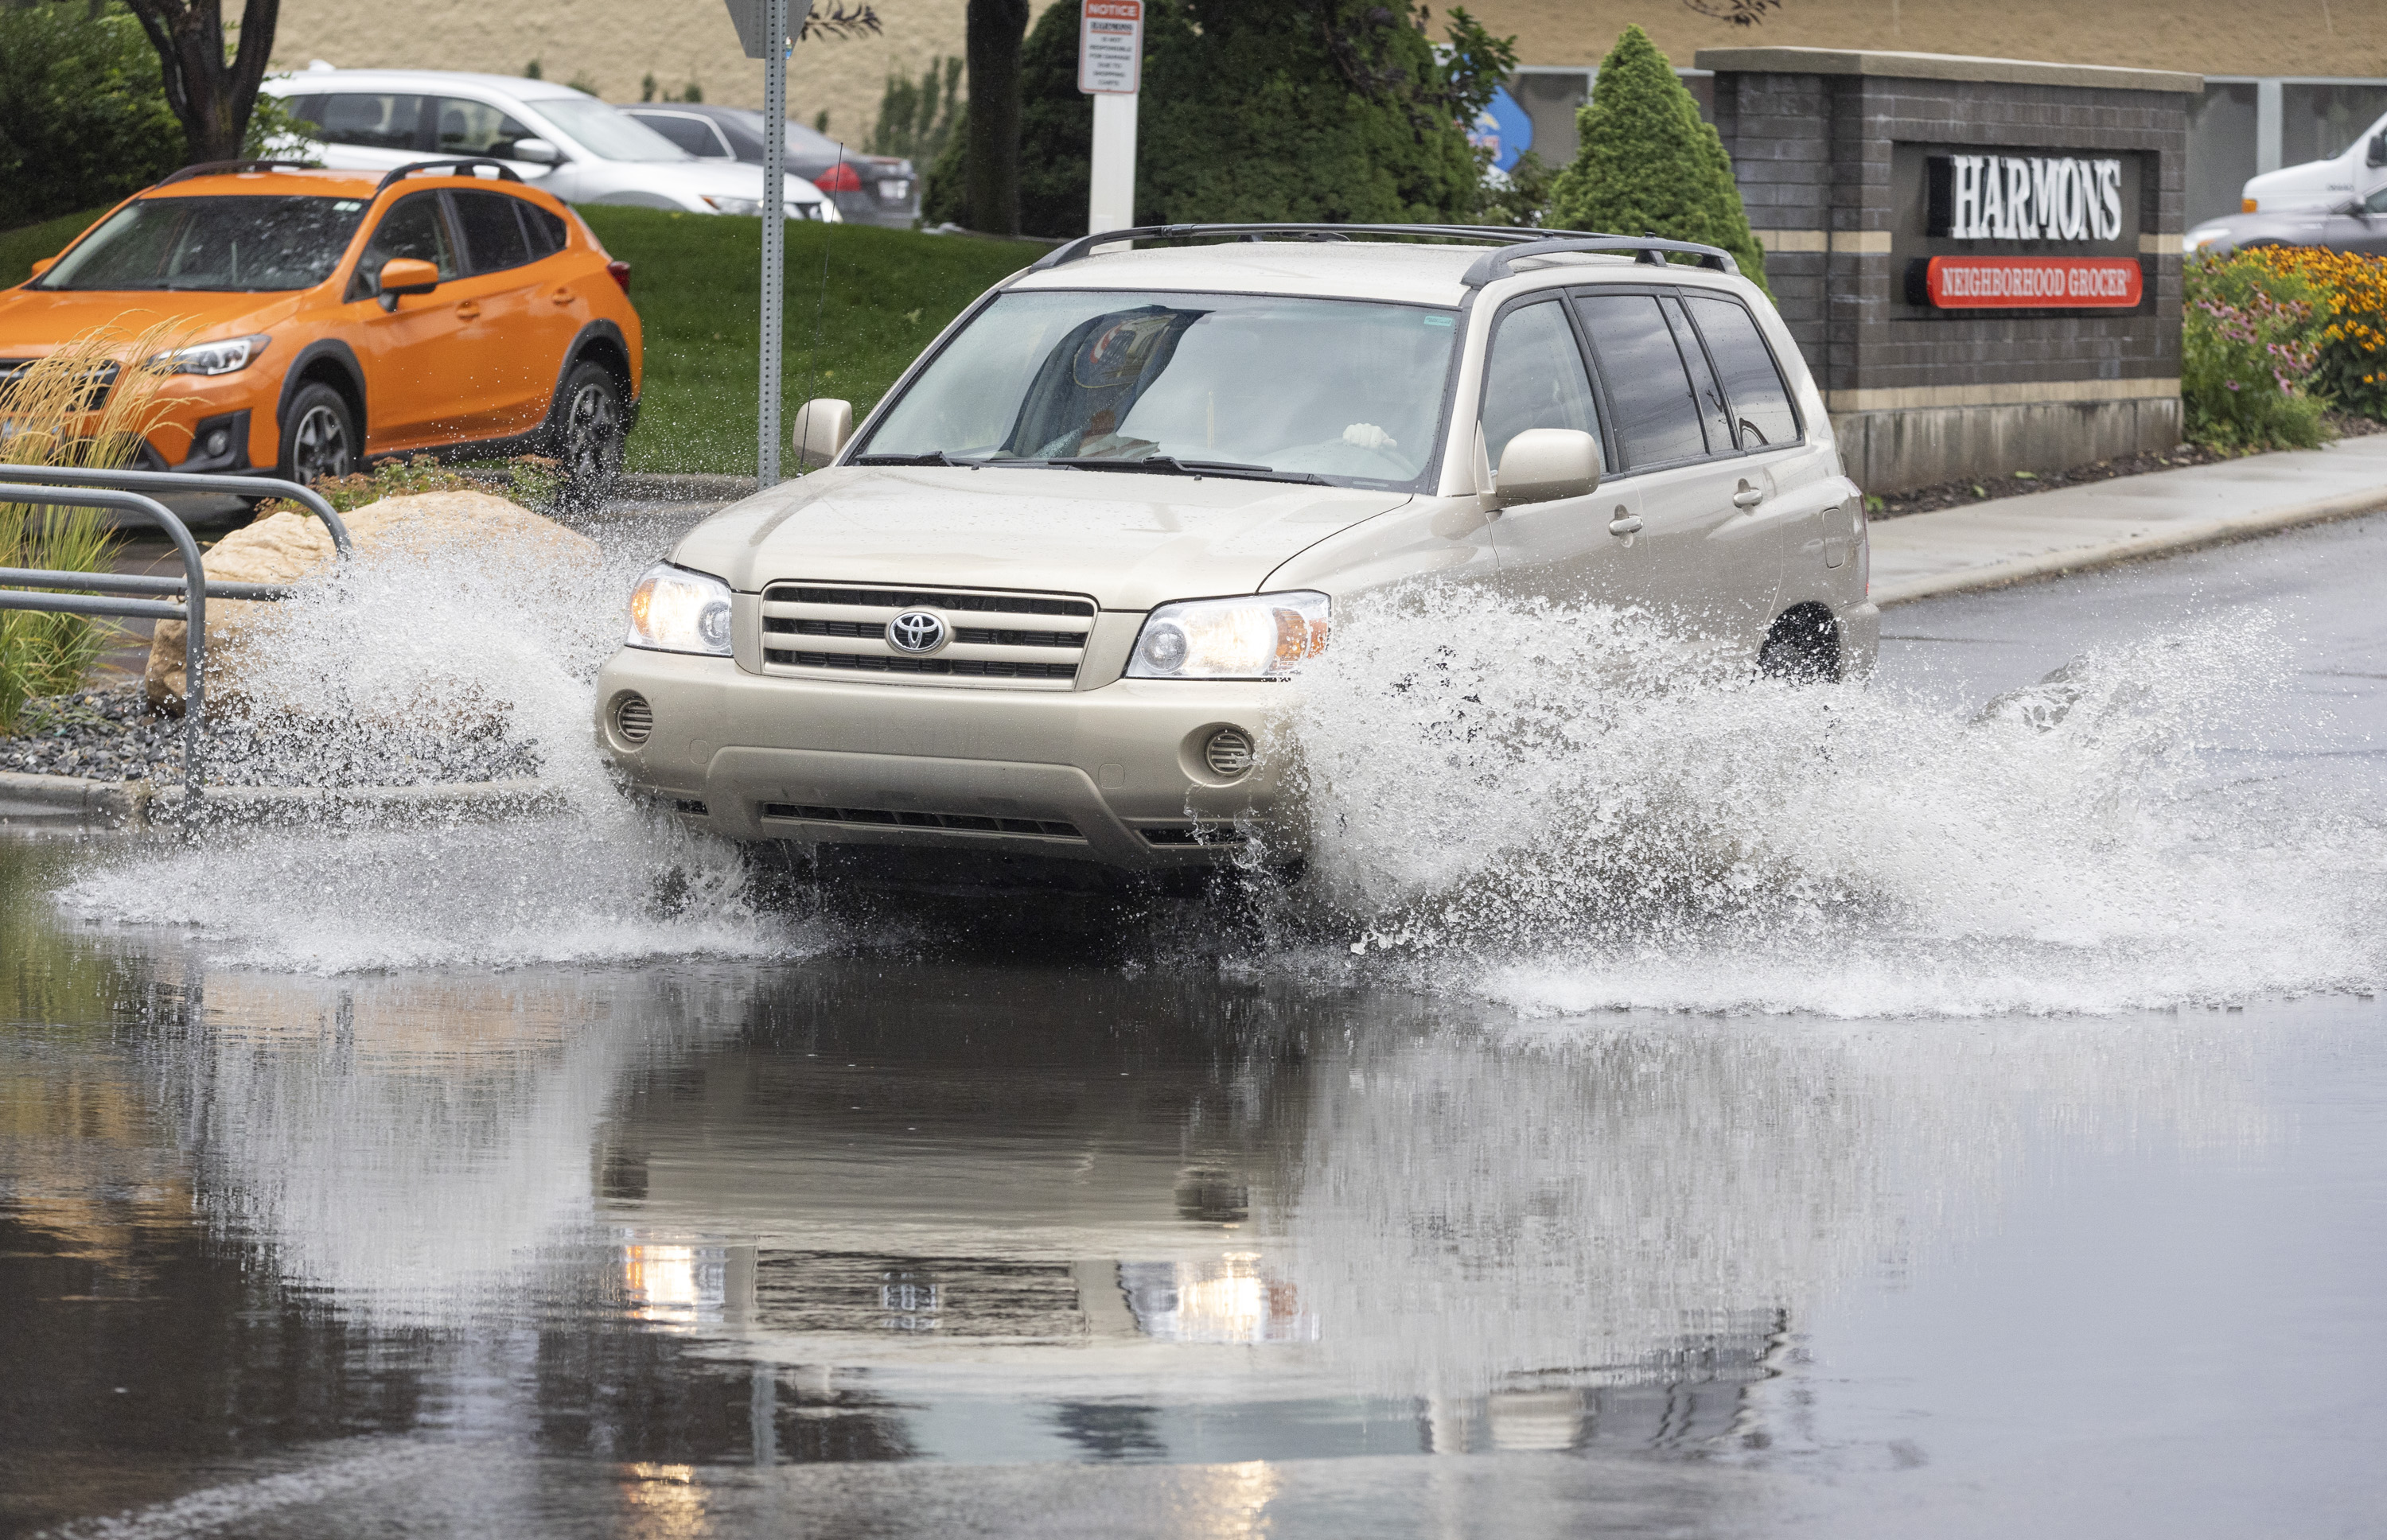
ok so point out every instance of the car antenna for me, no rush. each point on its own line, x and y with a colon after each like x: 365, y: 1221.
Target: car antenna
x: 820, y: 310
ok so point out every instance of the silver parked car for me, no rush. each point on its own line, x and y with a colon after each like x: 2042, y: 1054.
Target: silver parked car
x: 1046, y: 598
x: 2352, y: 224
x: 564, y: 141
x: 869, y: 189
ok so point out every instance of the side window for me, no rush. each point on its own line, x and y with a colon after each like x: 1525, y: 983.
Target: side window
x: 1761, y: 402
x: 376, y: 120
x: 692, y: 134
x: 493, y: 237
x: 415, y: 228
x: 476, y: 128
x: 545, y: 231
x: 1715, y: 418
x: 1656, y: 416
x: 1536, y: 378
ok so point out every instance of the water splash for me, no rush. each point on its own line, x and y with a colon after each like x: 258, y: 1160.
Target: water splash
x: 388, y: 673
x: 1573, y: 811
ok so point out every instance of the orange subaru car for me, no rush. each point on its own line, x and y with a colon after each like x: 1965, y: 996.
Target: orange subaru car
x: 334, y: 317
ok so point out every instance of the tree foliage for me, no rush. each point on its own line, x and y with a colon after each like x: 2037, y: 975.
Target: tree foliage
x: 1311, y: 110
x: 83, y: 119
x: 1649, y: 164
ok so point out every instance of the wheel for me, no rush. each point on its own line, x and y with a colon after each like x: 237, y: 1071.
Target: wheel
x: 1804, y: 647
x: 319, y: 435
x: 590, y: 426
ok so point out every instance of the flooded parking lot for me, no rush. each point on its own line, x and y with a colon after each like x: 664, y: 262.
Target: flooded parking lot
x: 1992, y: 1146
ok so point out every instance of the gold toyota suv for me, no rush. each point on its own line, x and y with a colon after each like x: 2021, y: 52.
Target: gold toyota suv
x: 1046, y: 597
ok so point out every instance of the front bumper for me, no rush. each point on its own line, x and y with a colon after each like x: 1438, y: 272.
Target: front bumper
x: 1113, y: 775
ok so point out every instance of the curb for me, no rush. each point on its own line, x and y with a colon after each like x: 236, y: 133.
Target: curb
x: 683, y: 485
x: 39, y: 801
x: 30, y: 799
x: 2167, y: 542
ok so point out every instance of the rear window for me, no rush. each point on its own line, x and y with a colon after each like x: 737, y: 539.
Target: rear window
x: 493, y: 237
x: 229, y: 244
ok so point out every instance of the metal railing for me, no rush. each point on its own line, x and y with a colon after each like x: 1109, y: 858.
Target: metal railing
x: 118, y: 594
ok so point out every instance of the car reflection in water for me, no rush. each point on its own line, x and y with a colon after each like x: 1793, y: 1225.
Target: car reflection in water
x: 861, y: 1211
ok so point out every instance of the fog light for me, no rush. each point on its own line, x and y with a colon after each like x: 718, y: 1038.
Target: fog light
x: 218, y: 442
x: 632, y: 718
x: 1229, y: 753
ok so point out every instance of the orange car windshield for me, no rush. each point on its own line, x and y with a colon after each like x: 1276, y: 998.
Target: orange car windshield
x: 235, y: 244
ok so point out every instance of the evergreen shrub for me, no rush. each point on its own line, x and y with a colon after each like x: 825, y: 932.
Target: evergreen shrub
x: 83, y: 119
x: 1648, y: 163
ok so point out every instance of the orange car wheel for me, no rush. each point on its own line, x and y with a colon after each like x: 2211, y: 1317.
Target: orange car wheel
x: 590, y: 428
x: 319, y: 435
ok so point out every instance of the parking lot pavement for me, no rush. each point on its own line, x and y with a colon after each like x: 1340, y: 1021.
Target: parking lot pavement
x: 2008, y: 539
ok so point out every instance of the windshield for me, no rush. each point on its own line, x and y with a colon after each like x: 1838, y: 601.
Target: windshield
x: 1330, y: 387
x: 201, y: 243
x: 605, y: 134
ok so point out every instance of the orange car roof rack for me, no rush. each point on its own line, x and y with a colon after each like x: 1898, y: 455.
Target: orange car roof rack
x: 458, y: 168
x: 233, y: 168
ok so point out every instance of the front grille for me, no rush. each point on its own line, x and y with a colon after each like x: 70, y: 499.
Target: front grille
x: 896, y: 662
x: 95, y: 382
x: 871, y: 817
x: 1009, y: 641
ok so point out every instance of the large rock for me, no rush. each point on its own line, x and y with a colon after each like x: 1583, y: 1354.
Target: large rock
x: 286, y: 547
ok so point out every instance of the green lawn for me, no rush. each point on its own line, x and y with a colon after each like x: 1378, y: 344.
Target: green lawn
x: 694, y: 279
x: 21, y: 248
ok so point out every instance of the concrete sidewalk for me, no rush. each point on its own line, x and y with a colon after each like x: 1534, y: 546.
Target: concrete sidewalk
x: 2008, y: 539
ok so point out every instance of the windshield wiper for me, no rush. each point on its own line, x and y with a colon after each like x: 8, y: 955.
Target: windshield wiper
x: 1169, y: 465
x: 934, y: 456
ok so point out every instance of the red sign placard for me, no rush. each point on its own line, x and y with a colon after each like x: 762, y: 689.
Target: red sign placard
x: 2034, y: 283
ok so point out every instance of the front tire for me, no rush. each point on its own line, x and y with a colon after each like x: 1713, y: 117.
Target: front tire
x: 590, y: 428
x: 318, y: 437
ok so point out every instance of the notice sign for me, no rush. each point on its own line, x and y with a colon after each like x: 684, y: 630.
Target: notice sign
x: 1110, y: 47
x: 2033, y: 283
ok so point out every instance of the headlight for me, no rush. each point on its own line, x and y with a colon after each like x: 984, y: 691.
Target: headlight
x: 734, y: 206
x: 674, y: 609
x: 1259, y: 637
x: 227, y: 357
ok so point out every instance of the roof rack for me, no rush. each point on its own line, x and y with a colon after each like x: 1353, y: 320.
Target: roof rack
x: 454, y: 167
x: 1519, y: 244
x: 233, y: 168
x: 1495, y: 265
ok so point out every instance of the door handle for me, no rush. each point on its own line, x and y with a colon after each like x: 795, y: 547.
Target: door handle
x: 469, y: 308
x: 1629, y: 524
x: 1747, y: 496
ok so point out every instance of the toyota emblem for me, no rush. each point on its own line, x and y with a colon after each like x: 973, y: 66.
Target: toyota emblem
x: 917, y: 631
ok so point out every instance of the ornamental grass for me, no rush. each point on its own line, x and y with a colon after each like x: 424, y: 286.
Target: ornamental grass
x: 85, y: 404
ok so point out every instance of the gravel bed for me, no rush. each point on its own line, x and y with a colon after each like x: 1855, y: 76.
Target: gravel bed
x: 109, y: 734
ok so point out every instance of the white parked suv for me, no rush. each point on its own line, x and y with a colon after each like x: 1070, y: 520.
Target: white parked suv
x: 1045, y: 600
x: 565, y: 141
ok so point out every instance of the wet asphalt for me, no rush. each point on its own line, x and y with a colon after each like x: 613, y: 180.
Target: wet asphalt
x: 959, y: 1233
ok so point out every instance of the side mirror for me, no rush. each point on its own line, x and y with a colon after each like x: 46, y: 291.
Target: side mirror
x: 45, y: 265
x: 406, y: 275
x: 2377, y: 155
x: 1545, y: 465
x: 539, y: 152
x: 822, y: 427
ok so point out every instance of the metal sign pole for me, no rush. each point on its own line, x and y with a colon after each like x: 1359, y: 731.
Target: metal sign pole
x: 775, y: 236
x: 1110, y: 69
